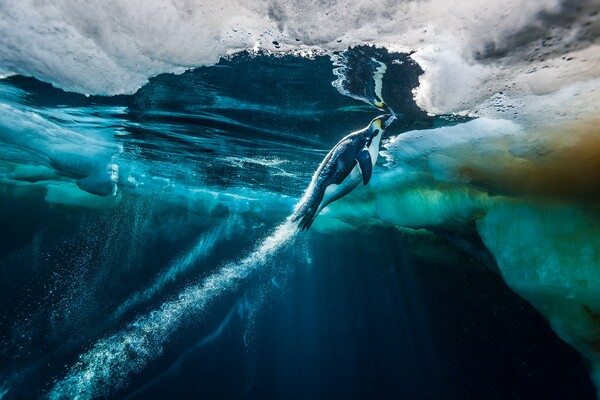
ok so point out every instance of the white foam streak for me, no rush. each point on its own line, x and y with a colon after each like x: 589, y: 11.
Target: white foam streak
x: 110, y: 361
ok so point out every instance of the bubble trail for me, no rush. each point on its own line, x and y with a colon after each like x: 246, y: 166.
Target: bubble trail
x: 108, y: 364
x: 204, y: 244
x: 238, y: 307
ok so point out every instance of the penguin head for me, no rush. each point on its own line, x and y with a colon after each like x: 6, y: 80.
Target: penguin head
x: 382, y: 122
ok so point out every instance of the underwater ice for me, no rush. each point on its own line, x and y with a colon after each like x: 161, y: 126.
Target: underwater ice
x: 37, y: 149
x: 539, y: 221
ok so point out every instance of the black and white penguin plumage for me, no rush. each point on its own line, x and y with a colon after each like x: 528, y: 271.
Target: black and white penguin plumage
x: 349, y: 162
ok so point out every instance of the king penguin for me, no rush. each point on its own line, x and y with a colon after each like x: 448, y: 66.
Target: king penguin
x: 345, y: 166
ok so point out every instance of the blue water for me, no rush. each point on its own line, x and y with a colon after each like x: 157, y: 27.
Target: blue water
x: 144, y: 251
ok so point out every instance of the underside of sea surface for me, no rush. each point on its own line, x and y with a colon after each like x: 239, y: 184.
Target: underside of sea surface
x: 151, y: 159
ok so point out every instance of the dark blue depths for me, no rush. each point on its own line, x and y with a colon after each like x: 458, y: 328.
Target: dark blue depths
x: 370, y: 316
x: 372, y: 321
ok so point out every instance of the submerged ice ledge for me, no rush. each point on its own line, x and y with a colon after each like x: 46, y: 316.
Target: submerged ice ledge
x: 55, y: 145
x: 531, y: 196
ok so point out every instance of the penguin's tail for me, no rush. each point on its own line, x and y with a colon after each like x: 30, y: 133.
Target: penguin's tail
x: 307, y: 208
x: 304, y: 216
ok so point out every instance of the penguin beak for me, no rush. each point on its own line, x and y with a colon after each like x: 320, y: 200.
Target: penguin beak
x: 388, y: 119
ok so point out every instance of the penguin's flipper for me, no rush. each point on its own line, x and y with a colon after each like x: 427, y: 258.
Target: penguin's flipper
x: 366, y: 165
